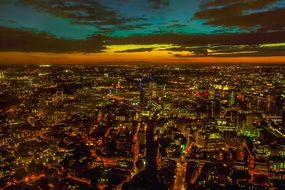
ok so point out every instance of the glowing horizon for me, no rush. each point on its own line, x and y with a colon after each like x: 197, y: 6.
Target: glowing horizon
x: 93, y: 58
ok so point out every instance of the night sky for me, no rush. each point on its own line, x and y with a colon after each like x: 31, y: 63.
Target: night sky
x: 166, y: 31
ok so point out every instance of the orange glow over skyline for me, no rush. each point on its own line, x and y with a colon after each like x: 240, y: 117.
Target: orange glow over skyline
x: 110, y: 57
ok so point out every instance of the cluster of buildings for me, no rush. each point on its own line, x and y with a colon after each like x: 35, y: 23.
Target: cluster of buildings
x: 191, y: 127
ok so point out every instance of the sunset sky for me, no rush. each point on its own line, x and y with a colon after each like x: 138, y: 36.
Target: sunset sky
x: 154, y: 31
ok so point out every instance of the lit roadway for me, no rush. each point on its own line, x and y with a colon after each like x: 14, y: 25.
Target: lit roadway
x: 180, y: 174
x: 179, y: 183
x: 136, y: 148
x: 27, y: 179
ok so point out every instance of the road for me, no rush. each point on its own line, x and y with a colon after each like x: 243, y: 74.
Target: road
x: 179, y: 183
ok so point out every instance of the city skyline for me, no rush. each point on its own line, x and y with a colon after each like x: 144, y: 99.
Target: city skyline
x: 142, y: 94
x: 150, y: 31
x: 132, y: 127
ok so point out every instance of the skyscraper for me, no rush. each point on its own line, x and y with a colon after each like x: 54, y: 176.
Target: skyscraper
x: 2, y: 76
x: 232, y: 98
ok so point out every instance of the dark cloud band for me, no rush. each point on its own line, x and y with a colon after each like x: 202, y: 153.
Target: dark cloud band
x: 252, y: 15
x: 26, y: 41
x: 198, y: 45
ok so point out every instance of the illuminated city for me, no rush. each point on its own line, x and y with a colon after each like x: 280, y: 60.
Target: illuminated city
x: 128, y: 127
x: 142, y: 94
